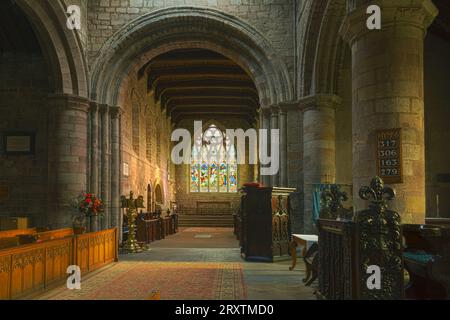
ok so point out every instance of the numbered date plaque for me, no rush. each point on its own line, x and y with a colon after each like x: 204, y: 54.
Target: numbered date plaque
x: 389, y: 155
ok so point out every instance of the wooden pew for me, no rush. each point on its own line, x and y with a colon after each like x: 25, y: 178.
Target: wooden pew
x: 427, y: 260
x: 147, y: 229
x: 347, y: 248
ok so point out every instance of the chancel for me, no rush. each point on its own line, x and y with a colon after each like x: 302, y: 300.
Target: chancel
x: 335, y: 184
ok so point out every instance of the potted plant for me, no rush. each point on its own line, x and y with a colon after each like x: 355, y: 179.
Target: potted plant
x: 88, y: 205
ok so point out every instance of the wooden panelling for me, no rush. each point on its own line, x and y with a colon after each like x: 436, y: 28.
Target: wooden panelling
x: 35, y: 267
x: 94, y: 250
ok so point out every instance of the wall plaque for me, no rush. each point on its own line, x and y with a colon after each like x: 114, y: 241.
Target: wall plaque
x: 19, y: 143
x: 389, y: 155
x: 126, y: 170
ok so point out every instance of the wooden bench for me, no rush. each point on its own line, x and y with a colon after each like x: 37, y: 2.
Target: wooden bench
x: 427, y: 260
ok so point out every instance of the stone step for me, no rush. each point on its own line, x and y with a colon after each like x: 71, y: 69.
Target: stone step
x: 225, y: 221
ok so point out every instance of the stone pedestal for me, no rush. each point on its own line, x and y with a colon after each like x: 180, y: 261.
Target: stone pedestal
x: 319, y: 143
x: 388, y: 93
x: 67, y: 156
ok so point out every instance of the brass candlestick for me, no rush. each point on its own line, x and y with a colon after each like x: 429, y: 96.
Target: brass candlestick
x: 131, y: 205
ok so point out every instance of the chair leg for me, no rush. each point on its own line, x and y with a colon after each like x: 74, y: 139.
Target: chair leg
x: 293, y: 249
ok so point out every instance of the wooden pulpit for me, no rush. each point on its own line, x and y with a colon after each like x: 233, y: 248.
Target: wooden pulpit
x: 265, y: 223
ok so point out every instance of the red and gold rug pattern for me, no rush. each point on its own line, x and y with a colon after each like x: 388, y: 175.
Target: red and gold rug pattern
x: 171, y: 280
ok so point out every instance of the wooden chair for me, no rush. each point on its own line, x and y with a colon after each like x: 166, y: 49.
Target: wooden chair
x: 332, y: 208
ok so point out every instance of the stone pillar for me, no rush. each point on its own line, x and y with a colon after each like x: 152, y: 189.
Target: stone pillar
x: 106, y: 153
x: 265, y: 124
x: 283, y: 148
x: 94, y: 169
x: 67, y: 156
x: 274, y: 124
x: 319, y: 142
x: 116, y: 221
x: 388, y: 93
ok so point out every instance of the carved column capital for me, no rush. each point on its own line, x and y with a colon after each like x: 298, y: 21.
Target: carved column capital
x: 320, y: 101
x: 93, y: 106
x: 287, y: 106
x: 69, y: 102
x: 116, y: 111
x: 103, y: 108
x: 415, y: 13
x: 274, y: 110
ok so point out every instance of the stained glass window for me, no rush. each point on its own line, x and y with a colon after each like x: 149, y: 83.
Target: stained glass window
x: 213, y: 163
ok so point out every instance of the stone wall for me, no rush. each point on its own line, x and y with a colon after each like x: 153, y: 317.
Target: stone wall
x: 23, y: 107
x: 437, y: 130
x: 274, y: 19
x: 146, y: 167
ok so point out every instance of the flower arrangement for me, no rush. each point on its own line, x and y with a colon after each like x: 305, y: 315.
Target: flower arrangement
x: 87, y: 205
x: 90, y: 205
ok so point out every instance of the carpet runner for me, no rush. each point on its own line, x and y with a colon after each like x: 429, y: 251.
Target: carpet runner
x: 131, y: 280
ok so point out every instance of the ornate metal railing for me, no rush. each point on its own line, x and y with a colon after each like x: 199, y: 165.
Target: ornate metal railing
x: 348, y: 248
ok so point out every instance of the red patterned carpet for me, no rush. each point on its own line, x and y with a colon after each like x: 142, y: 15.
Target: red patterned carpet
x: 173, y: 280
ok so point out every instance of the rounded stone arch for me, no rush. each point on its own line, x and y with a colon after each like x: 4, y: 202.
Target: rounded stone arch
x: 167, y: 29
x: 158, y: 195
x: 62, y: 47
x: 322, y: 56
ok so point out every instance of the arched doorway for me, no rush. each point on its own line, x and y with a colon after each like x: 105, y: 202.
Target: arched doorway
x: 159, y: 198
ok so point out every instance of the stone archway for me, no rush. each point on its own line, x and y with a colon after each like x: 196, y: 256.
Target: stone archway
x: 165, y: 30
x: 63, y: 46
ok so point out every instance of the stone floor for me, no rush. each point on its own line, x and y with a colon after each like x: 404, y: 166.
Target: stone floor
x: 262, y: 281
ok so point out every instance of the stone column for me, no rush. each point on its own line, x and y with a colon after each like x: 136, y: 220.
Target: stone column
x: 106, y: 153
x: 319, y: 143
x: 388, y: 93
x: 116, y: 113
x: 265, y: 124
x: 94, y: 169
x: 274, y: 124
x: 283, y: 177
x: 67, y: 156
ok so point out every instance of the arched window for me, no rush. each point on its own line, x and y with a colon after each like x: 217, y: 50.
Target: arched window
x: 213, y: 163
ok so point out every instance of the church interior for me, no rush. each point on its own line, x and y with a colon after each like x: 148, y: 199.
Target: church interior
x: 351, y: 115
